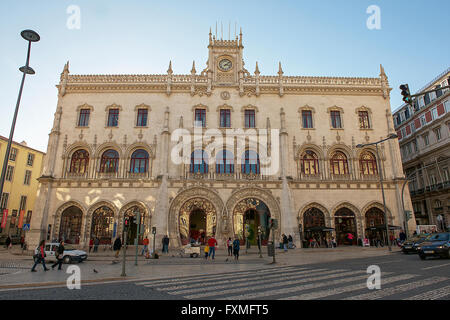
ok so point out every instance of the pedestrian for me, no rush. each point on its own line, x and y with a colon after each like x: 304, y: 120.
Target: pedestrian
x: 22, y: 241
x: 206, y: 251
x: 96, y: 243
x: 8, y: 242
x: 350, y: 238
x: 212, y: 243
x: 290, y: 242
x: 402, y: 236
x: 236, y: 248
x: 59, y: 256
x: 145, y: 242
x: 91, y: 244
x: 333, y: 242
x: 230, y: 247
x: 258, y: 239
x: 117, y: 245
x: 165, y: 243
x: 285, y: 243
x: 40, y: 257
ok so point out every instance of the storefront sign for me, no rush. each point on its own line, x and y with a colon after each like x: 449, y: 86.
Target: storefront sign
x: 21, y: 216
x: 4, y: 218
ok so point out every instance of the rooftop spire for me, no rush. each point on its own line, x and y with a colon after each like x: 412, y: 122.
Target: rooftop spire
x: 240, y: 37
x: 169, y: 71
x: 280, y: 70
x: 193, y: 71
x: 257, y: 69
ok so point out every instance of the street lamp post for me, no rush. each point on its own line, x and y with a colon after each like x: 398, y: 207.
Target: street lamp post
x: 259, y: 241
x: 30, y: 36
x: 386, y: 223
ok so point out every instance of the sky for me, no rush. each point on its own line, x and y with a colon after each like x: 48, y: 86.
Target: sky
x: 310, y: 38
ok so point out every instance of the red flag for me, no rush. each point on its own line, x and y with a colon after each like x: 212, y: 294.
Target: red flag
x: 4, y: 218
x: 22, y: 213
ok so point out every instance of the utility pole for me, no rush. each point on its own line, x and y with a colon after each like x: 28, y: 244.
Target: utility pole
x: 124, y: 253
x: 136, y: 240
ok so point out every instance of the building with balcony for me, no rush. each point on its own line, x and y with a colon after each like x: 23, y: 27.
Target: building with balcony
x: 218, y: 152
x: 424, y: 138
x: 21, y: 186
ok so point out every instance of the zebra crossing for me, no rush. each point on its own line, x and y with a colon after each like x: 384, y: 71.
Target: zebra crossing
x: 301, y: 283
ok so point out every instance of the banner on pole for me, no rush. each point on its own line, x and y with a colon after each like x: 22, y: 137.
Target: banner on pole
x: 4, y: 218
x: 21, y: 216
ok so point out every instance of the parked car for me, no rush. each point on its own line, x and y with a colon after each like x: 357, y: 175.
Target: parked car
x: 411, y: 245
x: 15, y: 239
x: 70, y: 255
x: 437, y: 245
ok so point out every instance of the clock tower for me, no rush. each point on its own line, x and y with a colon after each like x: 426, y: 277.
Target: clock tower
x: 225, y: 64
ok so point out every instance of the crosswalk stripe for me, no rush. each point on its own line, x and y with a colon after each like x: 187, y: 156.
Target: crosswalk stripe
x: 296, y: 289
x: 271, y: 277
x: 432, y: 294
x: 335, y: 291
x: 378, y: 294
x: 267, y: 286
x: 215, y: 276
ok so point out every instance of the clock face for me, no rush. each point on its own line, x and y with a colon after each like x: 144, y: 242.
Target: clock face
x: 225, y: 64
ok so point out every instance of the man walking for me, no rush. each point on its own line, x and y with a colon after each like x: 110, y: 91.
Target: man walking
x: 40, y: 257
x: 165, y: 243
x: 212, y: 243
x: 59, y: 256
x: 236, y: 248
x: 285, y: 243
x: 145, y: 242
x: 117, y: 245
x: 96, y: 243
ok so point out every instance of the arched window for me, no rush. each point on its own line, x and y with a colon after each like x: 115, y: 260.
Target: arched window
x: 338, y: 163
x: 199, y: 162
x: 309, y: 163
x: 79, y: 162
x: 102, y: 224
x: 374, y: 217
x: 109, y: 161
x: 250, y: 162
x: 313, y: 217
x: 70, y: 225
x: 224, y: 162
x: 139, y: 161
x: 368, y: 163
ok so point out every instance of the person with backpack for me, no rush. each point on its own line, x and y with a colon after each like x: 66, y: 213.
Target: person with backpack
x: 59, y: 256
x: 230, y: 247
x: 40, y: 257
x: 236, y: 248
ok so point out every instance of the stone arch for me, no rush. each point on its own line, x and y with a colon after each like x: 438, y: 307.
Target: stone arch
x: 309, y: 146
x: 90, y: 212
x: 318, y: 206
x: 140, y: 145
x: 184, y: 196
x: 340, y: 147
x: 58, y: 213
x: 358, y: 217
x: 378, y: 205
x: 138, y: 203
x: 257, y: 193
x: 106, y: 146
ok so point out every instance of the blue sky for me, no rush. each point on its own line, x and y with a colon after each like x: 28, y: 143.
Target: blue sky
x: 313, y: 38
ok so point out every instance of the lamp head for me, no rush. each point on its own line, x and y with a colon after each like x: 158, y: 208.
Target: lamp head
x: 393, y: 136
x: 30, y: 35
x: 359, y: 145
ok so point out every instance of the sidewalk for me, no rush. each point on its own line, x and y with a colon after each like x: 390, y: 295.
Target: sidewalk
x: 18, y: 267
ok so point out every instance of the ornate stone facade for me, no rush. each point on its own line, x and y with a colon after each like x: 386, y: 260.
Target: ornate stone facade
x: 312, y: 126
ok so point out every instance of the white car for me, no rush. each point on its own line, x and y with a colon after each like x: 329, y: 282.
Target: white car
x: 70, y: 255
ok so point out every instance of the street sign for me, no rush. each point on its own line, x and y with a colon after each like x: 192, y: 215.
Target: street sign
x: 26, y: 227
x: 154, y: 230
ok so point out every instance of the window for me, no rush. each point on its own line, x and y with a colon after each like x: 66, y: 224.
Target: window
x: 407, y: 114
x: 415, y: 145
x: 27, y: 178
x: 338, y: 163
x: 427, y: 98
x: 421, y: 102
x: 142, y: 118
x: 250, y: 118
x: 447, y: 106
x: 423, y: 121
x: 200, y: 118
x: 139, y: 161
x: 336, y: 119
x: 224, y: 162
x: 113, y: 118
x: 364, y: 120
x: 309, y: 163
x: 9, y: 173
x: 30, y: 159
x: 413, y: 126
x: 433, y: 95
x: 79, y: 162
x: 4, y: 201
x: 83, y: 120
x: 408, y: 147
x: 23, y: 203
x: 439, y: 92
x: 437, y: 132
x: 250, y: 163
x: 109, y: 161
x: 434, y: 113
x: 199, y: 162
x: 446, y: 174
x: 13, y: 154
x: 426, y: 139
x: 307, y: 119
x: 368, y: 163
x: 225, y: 118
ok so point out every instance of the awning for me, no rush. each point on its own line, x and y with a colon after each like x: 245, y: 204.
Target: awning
x: 383, y: 227
x: 319, y: 229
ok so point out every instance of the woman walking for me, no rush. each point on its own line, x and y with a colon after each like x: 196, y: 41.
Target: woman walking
x: 236, y: 249
x: 59, y: 256
x: 230, y: 247
x: 40, y: 257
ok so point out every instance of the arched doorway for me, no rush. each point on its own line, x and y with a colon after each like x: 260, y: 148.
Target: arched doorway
x: 314, y: 226
x: 70, y: 225
x: 375, y: 225
x: 102, y: 224
x: 345, y: 224
x: 135, y: 229
x: 197, y: 221
x: 249, y: 214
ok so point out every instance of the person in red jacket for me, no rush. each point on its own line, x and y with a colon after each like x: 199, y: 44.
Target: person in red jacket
x: 212, y: 243
x: 40, y: 257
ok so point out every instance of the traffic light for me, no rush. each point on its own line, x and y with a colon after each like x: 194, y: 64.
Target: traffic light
x: 405, y: 93
x: 408, y: 215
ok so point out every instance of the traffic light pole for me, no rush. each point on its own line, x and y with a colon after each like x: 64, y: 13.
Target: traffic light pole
x: 124, y: 252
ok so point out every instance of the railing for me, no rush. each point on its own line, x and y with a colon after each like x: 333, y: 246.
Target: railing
x: 137, y: 175
x: 76, y: 175
x: 107, y: 175
x: 227, y: 176
x: 341, y: 177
